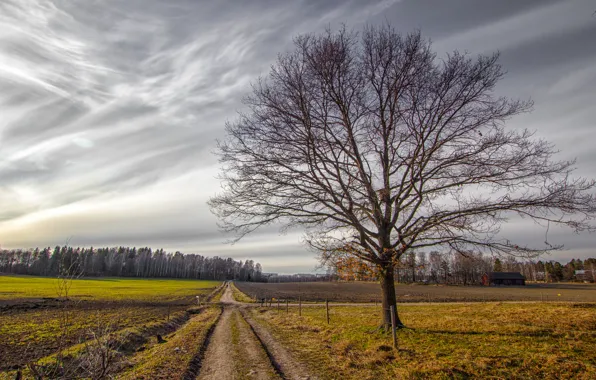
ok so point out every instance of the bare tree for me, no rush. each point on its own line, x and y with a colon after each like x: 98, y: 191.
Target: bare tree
x: 376, y: 147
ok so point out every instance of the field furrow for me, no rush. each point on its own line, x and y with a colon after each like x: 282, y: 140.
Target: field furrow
x: 370, y: 292
x: 175, y: 356
x: 54, y: 335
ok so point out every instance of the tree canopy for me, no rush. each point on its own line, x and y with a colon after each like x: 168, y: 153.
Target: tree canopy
x: 377, y: 147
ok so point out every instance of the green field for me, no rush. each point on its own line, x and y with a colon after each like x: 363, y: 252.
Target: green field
x: 19, y: 287
x: 37, y: 320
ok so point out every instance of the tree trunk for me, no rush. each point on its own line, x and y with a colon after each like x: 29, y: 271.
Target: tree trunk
x: 389, y: 298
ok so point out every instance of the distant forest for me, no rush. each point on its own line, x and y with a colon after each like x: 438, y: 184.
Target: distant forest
x: 457, y: 269
x: 125, y: 262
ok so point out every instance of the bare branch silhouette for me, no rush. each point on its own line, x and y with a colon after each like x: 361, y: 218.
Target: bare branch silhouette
x: 377, y: 148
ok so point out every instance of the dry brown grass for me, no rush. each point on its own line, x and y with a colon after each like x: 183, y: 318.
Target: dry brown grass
x: 240, y: 296
x: 493, y: 340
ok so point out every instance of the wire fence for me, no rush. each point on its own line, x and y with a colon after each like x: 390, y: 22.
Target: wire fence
x: 507, y: 295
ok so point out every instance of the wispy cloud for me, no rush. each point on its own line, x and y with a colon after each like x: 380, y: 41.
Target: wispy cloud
x: 109, y: 110
x: 522, y: 28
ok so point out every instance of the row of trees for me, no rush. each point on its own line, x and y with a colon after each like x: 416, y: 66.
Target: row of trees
x: 125, y: 262
x: 455, y: 268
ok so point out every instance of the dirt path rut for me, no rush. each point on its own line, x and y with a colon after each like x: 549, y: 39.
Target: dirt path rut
x: 234, y: 351
x: 281, y: 358
x: 217, y: 363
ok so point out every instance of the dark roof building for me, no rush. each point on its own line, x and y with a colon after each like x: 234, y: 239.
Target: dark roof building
x: 503, y: 278
x: 585, y: 275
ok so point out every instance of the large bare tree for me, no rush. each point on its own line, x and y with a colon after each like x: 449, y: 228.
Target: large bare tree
x: 376, y: 147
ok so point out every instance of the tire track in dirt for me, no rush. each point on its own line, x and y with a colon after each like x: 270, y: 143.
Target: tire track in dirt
x: 196, y: 363
x: 286, y: 366
x: 241, y: 349
x: 252, y: 357
x: 218, y: 363
x: 234, y: 352
x: 283, y: 361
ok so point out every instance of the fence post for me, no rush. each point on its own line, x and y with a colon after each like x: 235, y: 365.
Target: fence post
x: 300, y: 306
x: 327, y: 308
x: 392, y: 310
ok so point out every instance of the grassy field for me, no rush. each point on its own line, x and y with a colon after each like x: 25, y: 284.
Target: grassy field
x: 174, y: 358
x: 113, y: 289
x: 26, y: 336
x: 491, y: 340
x: 35, y: 322
x: 371, y: 292
x: 153, y: 329
x: 240, y: 296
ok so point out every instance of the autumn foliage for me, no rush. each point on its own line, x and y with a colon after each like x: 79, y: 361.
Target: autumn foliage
x: 349, y: 268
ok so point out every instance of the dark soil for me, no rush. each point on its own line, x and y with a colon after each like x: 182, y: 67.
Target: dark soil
x: 362, y: 292
x: 16, y: 354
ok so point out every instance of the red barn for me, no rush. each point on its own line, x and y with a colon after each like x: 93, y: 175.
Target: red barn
x: 503, y: 278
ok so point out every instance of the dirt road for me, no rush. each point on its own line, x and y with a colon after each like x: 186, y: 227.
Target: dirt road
x: 241, y: 349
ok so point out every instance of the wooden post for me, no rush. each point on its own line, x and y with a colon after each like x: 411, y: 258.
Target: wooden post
x: 327, y: 308
x: 392, y: 310
x: 299, y: 306
x: 287, y: 306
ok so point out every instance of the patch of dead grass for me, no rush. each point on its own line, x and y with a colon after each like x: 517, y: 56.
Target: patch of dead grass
x: 547, y: 341
x: 170, y: 360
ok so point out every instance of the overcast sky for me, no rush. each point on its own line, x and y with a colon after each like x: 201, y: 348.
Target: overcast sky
x: 109, y: 109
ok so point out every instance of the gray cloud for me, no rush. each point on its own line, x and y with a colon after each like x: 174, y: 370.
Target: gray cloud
x: 110, y: 110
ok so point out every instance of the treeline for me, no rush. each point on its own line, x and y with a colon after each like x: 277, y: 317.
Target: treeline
x: 125, y: 262
x: 458, y: 269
